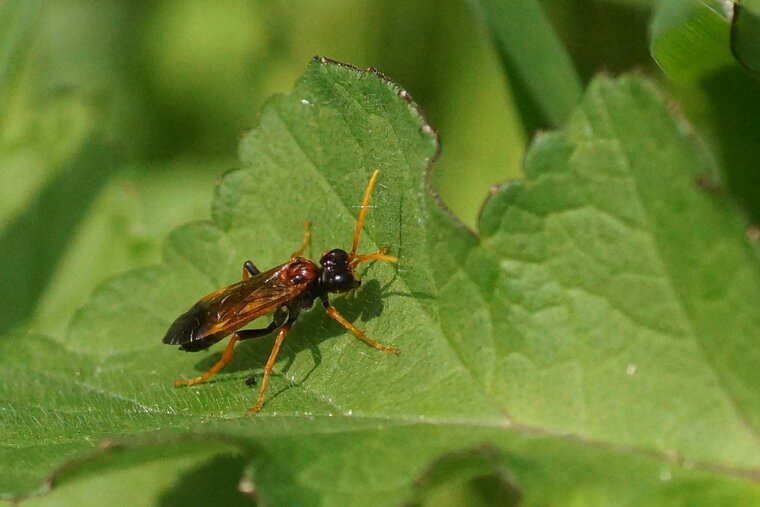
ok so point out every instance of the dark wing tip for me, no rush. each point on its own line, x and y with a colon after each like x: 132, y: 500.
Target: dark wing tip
x: 185, y: 329
x: 172, y: 339
x: 188, y: 332
x: 200, y: 344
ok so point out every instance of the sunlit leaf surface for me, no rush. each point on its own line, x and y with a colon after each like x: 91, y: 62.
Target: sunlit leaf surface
x: 595, y: 343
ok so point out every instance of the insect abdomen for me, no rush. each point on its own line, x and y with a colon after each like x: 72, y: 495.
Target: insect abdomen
x: 188, y: 330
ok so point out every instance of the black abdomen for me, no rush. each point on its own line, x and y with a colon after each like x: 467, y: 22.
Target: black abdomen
x: 188, y: 330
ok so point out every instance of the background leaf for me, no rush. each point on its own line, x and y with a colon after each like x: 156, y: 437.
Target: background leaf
x: 689, y: 38
x: 172, y: 474
x: 745, y: 34
x: 593, y: 345
x: 535, y: 60
x: 692, y: 41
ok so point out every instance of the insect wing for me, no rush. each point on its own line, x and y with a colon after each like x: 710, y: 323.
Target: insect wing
x: 249, y: 299
x: 230, y: 308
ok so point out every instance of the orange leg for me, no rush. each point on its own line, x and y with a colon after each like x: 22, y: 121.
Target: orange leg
x: 363, y: 211
x: 380, y: 255
x: 306, y: 238
x: 284, y: 330
x: 226, y: 357
x: 377, y: 256
x: 332, y: 312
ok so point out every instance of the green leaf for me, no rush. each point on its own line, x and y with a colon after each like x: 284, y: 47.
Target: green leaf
x: 745, y: 33
x: 538, y: 65
x: 127, y: 225
x: 35, y: 236
x: 690, y: 38
x: 172, y: 474
x: 55, y: 163
x: 594, y: 345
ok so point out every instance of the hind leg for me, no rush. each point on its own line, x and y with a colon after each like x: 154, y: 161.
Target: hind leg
x: 245, y: 334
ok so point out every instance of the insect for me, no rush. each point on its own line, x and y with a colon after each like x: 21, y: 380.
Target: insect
x: 284, y: 291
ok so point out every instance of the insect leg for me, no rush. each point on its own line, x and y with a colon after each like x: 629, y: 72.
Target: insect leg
x: 306, y: 238
x: 277, y: 321
x: 249, y: 269
x: 363, y: 212
x: 226, y: 357
x: 245, y: 334
x: 380, y: 255
x: 332, y: 312
x: 284, y: 330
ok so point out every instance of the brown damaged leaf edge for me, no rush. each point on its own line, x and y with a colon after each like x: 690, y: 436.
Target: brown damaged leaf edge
x: 284, y: 291
x: 426, y: 128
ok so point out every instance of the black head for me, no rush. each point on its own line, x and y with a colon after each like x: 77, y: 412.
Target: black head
x: 336, y: 274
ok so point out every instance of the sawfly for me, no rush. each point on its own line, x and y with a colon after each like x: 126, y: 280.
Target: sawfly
x: 284, y: 291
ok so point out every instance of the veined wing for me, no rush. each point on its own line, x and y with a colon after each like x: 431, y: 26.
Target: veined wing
x: 230, y: 308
